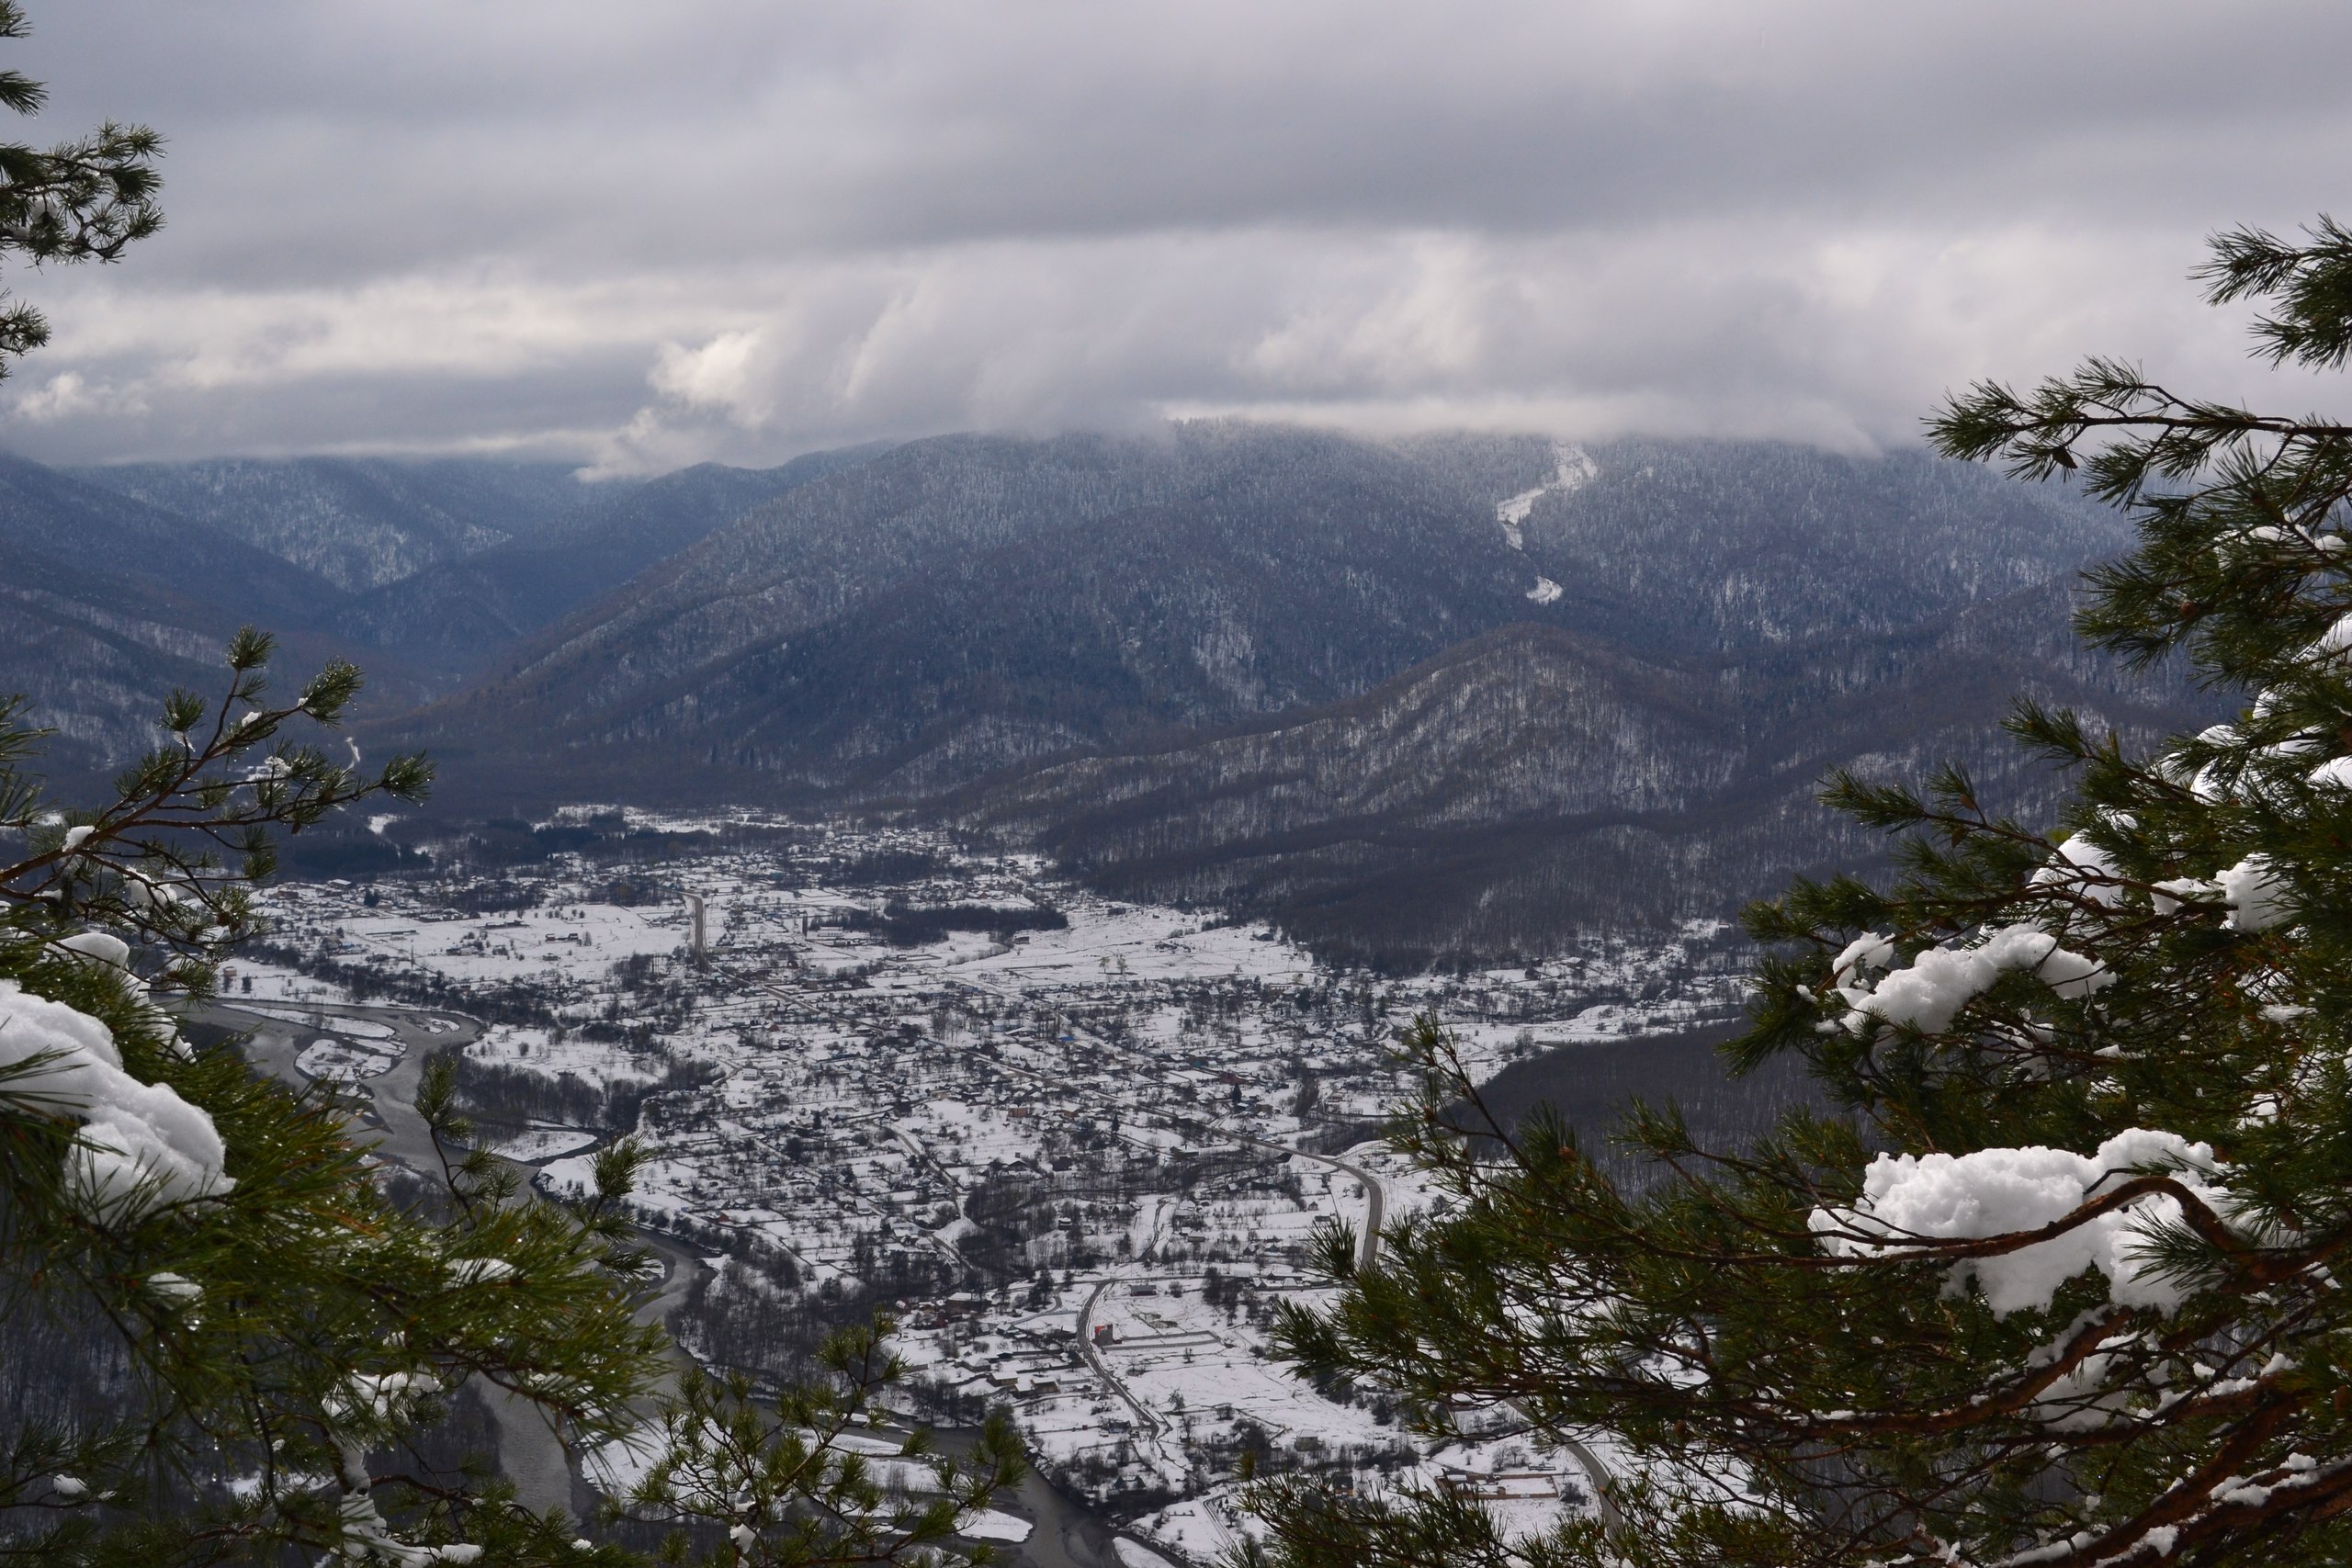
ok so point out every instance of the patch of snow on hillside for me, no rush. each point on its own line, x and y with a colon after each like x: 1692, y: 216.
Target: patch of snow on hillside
x: 1575, y: 468
x: 540, y: 1144
x: 1544, y: 592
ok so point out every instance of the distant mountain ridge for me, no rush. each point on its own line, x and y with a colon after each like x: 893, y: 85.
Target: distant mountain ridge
x: 967, y: 604
x: 942, y: 611
x: 118, y: 585
x: 107, y: 603
x: 359, y: 522
x: 500, y: 593
x: 1417, y: 699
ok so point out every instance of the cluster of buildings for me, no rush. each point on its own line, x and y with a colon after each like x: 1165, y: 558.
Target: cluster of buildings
x: 1077, y: 1147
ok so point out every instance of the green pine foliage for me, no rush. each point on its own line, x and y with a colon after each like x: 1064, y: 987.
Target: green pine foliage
x: 283, y: 1318
x: 790, y: 1483
x: 2054, y: 1279
x: 84, y: 199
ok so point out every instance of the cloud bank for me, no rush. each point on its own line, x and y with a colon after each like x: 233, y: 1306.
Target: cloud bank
x: 641, y: 236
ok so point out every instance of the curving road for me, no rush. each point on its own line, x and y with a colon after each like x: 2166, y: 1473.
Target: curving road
x: 1375, y: 1196
x: 1152, y: 1424
x: 1597, y: 1474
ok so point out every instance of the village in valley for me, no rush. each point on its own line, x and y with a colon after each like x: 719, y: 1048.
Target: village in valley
x: 1076, y: 1148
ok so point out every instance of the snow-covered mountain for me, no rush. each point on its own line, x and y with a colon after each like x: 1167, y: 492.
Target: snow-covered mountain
x: 1530, y: 783
x: 485, y: 600
x: 107, y: 603
x: 967, y: 604
x: 118, y: 585
x: 960, y: 604
x: 1284, y: 670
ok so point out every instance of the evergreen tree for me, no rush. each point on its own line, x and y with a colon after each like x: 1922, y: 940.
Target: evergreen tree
x: 2054, y: 1278
x: 281, y: 1318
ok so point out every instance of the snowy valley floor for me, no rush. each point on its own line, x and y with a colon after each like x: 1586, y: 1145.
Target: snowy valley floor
x: 1077, y: 1147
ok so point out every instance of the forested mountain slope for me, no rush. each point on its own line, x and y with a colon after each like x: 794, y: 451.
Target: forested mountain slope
x: 1416, y: 699
x: 1698, y: 547
x: 965, y: 603
x: 1530, y: 783
x: 488, y: 599
x: 358, y: 522
x: 118, y: 585
x: 107, y: 603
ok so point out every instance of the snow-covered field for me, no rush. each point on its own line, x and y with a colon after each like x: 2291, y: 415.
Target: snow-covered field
x: 1125, y: 1128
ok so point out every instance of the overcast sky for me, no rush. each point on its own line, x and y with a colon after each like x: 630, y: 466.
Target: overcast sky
x: 642, y: 235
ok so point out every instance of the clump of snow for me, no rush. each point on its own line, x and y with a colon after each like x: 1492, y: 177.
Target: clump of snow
x: 368, y: 1535
x: 2256, y: 894
x: 98, y: 947
x: 1908, y: 1199
x: 2336, y: 772
x: 1929, y: 993
x: 1870, y: 950
x: 1544, y: 592
x: 2171, y: 892
x: 145, y: 893
x: 175, y: 1287
x: 2334, y: 640
x: 141, y: 1146
x: 2085, y: 868
x: 385, y: 1396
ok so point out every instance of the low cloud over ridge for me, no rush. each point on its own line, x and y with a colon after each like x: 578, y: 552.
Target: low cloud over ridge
x: 641, y: 238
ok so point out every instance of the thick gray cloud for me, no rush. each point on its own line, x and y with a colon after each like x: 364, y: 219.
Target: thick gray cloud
x: 641, y: 235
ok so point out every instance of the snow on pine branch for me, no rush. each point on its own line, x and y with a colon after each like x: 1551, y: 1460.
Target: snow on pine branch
x: 140, y: 1145
x: 1928, y: 992
x: 1909, y: 1201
